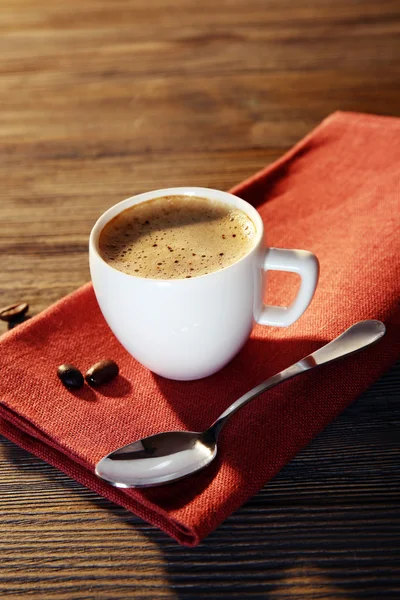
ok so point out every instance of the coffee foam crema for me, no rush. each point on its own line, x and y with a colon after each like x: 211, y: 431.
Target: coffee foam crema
x: 176, y: 237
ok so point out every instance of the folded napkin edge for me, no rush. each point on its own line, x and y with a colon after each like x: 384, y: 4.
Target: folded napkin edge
x: 336, y: 116
x: 148, y: 512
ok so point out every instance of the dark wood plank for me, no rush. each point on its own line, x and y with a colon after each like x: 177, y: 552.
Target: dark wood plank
x: 101, y: 100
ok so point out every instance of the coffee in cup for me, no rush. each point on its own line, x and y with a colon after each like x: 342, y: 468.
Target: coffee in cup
x: 176, y: 237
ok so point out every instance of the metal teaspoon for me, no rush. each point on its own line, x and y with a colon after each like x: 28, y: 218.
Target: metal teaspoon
x: 171, y: 455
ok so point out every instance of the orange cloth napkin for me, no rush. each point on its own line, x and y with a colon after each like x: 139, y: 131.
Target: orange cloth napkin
x: 337, y: 193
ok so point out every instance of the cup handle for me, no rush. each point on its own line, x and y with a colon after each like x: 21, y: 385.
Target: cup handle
x: 295, y: 261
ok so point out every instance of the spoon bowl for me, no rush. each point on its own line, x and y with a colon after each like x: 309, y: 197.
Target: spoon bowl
x: 157, y: 459
x: 171, y: 455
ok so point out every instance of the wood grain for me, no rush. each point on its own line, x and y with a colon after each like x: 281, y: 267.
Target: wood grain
x: 101, y: 100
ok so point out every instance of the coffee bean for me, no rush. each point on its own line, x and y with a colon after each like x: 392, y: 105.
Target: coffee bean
x: 14, y: 311
x: 70, y: 376
x: 102, y: 372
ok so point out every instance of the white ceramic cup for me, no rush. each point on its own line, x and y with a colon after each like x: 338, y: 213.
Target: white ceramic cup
x: 190, y: 328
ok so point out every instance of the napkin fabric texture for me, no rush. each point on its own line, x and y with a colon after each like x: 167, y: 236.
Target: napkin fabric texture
x: 336, y: 193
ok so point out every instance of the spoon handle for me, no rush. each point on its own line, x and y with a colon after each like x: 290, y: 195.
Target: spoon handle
x: 358, y: 336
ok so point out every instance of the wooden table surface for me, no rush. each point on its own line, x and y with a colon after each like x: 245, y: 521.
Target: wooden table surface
x: 100, y: 100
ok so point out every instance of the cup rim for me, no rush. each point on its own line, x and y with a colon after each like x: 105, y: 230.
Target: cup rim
x: 211, y: 193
